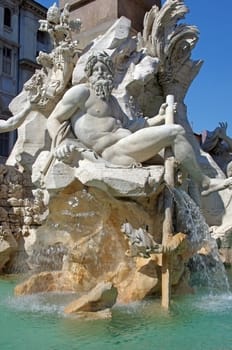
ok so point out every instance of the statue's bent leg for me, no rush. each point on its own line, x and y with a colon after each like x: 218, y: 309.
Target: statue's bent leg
x: 142, y: 145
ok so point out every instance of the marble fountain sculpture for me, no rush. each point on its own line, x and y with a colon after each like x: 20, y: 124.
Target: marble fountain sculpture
x: 91, y: 193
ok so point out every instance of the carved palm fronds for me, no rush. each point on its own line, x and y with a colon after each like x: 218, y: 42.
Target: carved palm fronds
x: 171, y: 42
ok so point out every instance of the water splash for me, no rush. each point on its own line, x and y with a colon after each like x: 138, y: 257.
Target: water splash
x: 43, y: 303
x: 207, y: 270
x: 215, y: 303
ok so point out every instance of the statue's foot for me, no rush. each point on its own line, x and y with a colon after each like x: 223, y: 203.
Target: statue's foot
x: 215, y: 185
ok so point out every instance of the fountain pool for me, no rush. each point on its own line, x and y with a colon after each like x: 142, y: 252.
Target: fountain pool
x: 199, y: 321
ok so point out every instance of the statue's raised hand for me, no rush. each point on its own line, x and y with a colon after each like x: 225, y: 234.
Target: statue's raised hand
x: 164, y: 106
x: 222, y: 130
x: 162, y: 109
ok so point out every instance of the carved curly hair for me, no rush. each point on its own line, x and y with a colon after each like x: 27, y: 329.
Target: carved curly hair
x: 98, y: 57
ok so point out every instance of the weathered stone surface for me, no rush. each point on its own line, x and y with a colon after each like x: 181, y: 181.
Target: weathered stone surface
x: 226, y: 256
x: 30, y: 142
x: 103, y: 296
x: 223, y: 236
x: 59, y: 176
x: 88, y: 224
x: 120, y: 182
x: 141, y: 282
x: 8, y: 246
x: 46, y: 282
x: 23, y: 209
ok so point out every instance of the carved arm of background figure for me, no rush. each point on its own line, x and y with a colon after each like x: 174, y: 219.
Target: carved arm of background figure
x: 15, y: 121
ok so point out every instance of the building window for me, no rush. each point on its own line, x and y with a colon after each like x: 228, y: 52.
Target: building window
x: 41, y: 37
x: 6, y: 60
x: 7, y: 17
x: 4, y: 144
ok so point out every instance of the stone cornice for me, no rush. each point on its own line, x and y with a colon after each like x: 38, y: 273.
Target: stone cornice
x: 28, y: 63
x: 34, y: 7
x: 8, y: 42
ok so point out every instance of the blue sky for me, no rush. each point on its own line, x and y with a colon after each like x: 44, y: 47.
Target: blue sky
x: 208, y: 99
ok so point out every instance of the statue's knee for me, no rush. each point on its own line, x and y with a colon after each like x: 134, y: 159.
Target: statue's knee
x: 178, y: 130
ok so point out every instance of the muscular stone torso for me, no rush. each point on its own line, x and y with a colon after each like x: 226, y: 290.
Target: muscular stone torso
x: 96, y: 125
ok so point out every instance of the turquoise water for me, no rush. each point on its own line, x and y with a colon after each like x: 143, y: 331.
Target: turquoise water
x: 199, y: 321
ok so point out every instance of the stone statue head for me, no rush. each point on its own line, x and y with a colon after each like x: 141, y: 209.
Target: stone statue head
x: 99, y: 70
x: 53, y: 14
x: 99, y: 57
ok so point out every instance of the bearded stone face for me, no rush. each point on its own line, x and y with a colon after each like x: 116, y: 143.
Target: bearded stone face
x: 103, y: 88
x: 101, y: 80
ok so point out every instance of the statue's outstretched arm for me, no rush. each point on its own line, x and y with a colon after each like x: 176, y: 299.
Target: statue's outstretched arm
x: 15, y: 121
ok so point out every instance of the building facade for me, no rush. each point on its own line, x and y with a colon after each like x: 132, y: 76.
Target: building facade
x: 20, y: 42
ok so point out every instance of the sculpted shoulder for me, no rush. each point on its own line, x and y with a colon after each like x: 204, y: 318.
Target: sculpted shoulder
x: 77, y: 94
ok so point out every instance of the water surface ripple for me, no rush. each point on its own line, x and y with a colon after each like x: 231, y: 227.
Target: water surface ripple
x: 194, y: 322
